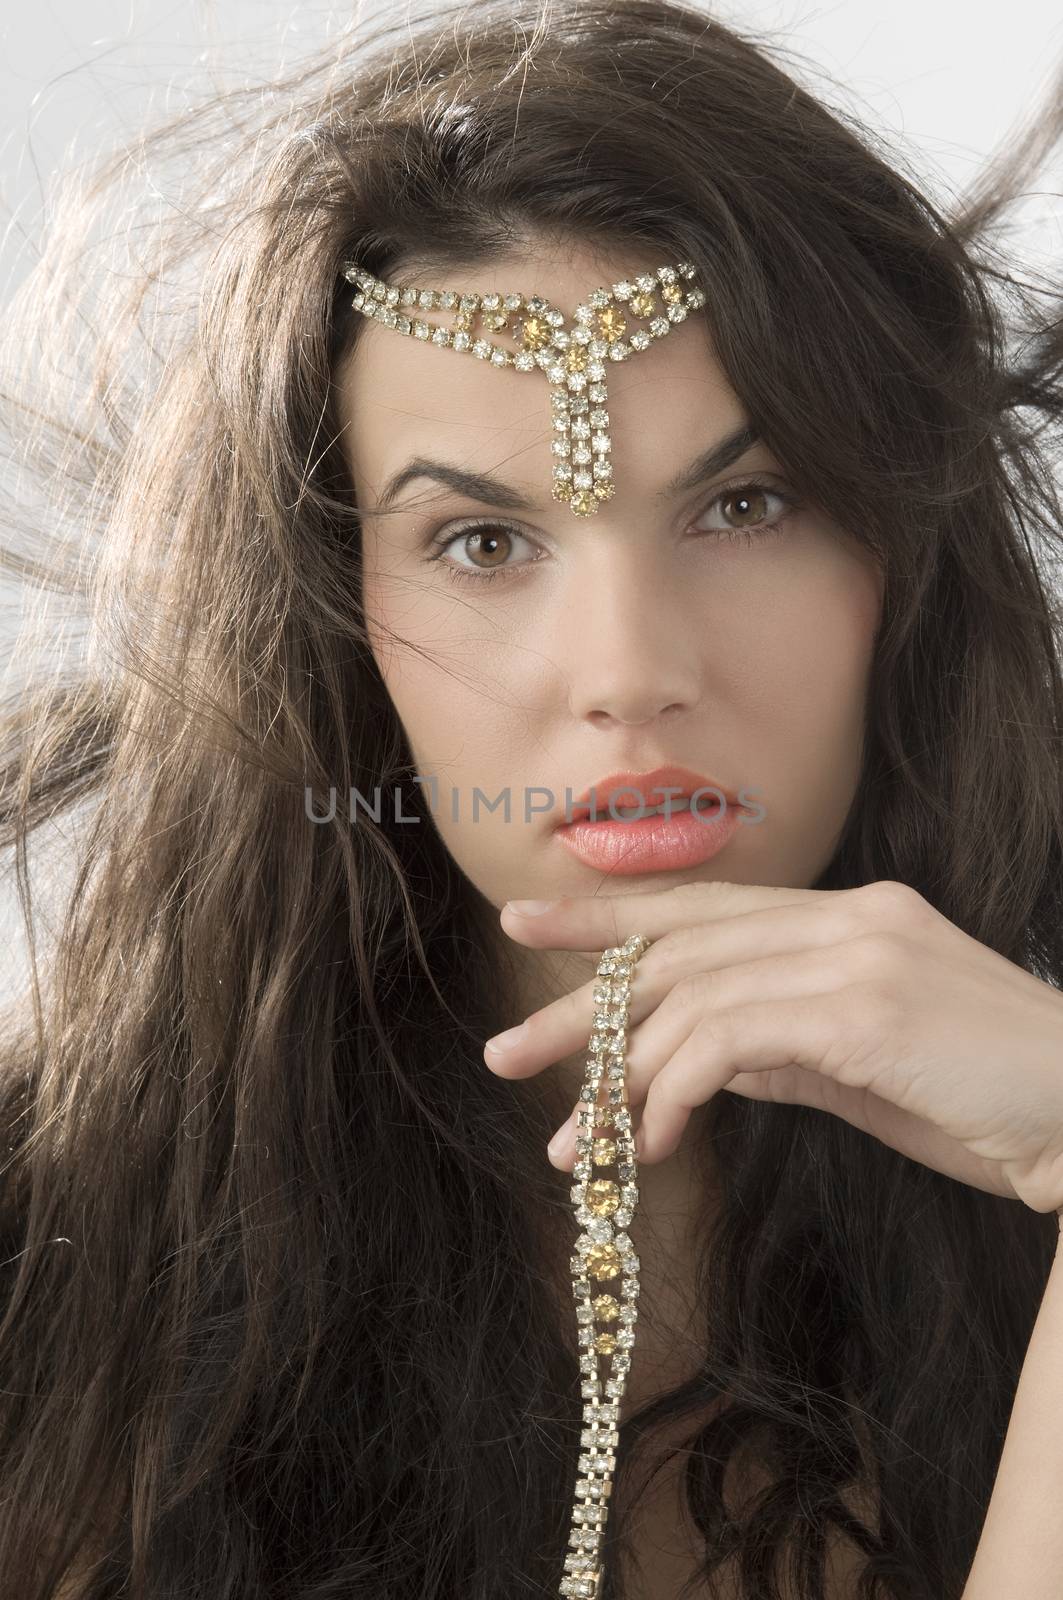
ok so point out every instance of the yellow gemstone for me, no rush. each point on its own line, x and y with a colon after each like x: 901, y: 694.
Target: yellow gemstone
x: 605, y: 1344
x: 603, y: 1197
x: 605, y: 488
x: 535, y: 332
x: 642, y: 305
x: 671, y: 292
x: 463, y: 320
x: 603, y: 1151
x: 603, y: 1261
x: 611, y: 323
x: 494, y: 321
x: 562, y: 489
x: 583, y: 503
x: 576, y: 357
x: 606, y: 1307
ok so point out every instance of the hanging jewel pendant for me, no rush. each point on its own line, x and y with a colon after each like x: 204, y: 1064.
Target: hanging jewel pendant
x: 574, y: 358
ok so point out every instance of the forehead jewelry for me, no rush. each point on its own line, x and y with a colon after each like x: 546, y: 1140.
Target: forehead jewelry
x: 609, y: 325
x: 604, y: 1208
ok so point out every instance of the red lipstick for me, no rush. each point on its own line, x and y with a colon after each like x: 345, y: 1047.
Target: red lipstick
x: 595, y: 829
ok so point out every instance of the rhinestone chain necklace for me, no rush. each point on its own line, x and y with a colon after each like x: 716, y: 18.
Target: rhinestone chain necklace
x: 604, y: 1208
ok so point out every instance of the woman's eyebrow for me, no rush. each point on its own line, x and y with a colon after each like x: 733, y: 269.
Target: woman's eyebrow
x: 717, y: 458
x: 492, y: 491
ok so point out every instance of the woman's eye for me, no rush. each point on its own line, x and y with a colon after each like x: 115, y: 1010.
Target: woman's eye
x: 746, y: 508
x: 489, y: 542
x: 747, y: 505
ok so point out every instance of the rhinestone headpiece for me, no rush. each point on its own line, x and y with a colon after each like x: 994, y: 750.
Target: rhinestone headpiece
x: 572, y: 357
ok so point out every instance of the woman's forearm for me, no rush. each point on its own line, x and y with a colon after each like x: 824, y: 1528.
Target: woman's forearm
x: 1020, y: 1552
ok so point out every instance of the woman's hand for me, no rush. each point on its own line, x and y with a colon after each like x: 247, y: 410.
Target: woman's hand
x: 865, y: 1002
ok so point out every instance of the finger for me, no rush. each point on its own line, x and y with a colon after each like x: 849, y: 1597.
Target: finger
x: 550, y: 1034
x: 558, y: 1030
x: 596, y: 922
x: 664, y: 1035
x: 912, y: 1135
x: 791, y: 1085
x: 561, y: 1151
x: 799, y: 1086
x: 697, y: 999
x: 752, y: 1038
x: 687, y: 1013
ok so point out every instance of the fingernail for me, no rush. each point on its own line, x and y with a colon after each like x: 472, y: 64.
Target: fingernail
x: 529, y: 908
x: 505, y: 1041
x: 553, y: 1149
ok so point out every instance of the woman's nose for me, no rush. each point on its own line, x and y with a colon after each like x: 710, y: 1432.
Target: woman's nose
x: 628, y: 652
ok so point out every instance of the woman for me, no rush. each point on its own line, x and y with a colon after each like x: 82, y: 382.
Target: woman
x: 286, y: 1282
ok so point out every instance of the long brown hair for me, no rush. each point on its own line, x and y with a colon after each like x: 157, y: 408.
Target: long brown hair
x: 273, y: 1322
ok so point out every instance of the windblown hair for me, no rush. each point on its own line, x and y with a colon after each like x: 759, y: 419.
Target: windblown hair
x: 276, y: 1319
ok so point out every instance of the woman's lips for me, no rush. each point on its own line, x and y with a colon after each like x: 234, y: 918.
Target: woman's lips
x: 656, y: 843
x: 627, y: 789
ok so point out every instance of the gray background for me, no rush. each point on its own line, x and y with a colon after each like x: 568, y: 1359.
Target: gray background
x: 947, y: 82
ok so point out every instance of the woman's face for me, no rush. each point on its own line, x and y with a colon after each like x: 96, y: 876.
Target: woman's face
x: 549, y: 651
